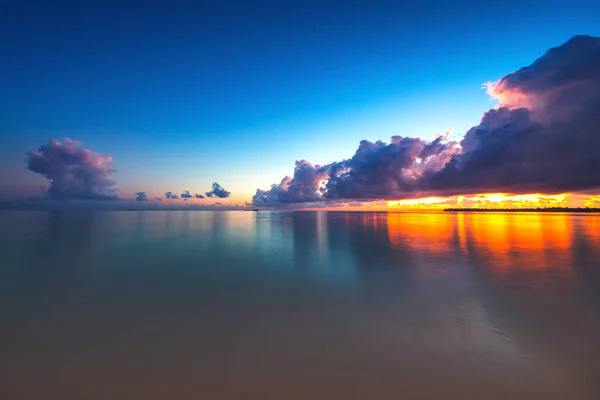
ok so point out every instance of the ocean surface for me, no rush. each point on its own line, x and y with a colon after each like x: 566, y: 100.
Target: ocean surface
x: 298, y: 305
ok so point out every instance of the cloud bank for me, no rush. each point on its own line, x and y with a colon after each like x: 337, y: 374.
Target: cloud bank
x: 74, y: 172
x: 217, y: 192
x: 542, y: 138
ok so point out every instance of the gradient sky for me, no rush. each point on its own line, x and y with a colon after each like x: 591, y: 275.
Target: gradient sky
x: 183, y: 94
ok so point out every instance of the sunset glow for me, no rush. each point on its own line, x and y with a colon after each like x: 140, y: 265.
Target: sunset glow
x: 485, y: 201
x: 316, y: 199
x: 490, y: 201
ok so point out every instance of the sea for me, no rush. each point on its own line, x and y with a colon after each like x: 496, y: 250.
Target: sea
x: 113, y: 305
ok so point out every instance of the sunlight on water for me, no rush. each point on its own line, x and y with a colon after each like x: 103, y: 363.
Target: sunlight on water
x: 297, y: 305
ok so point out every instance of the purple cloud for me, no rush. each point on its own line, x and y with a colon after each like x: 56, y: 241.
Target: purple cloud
x: 171, y: 195
x: 73, y: 172
x: 379, y: 170
x: 305, y: 186
x: 543, y: 138
x: 198, y: 196
x: 186, y: 195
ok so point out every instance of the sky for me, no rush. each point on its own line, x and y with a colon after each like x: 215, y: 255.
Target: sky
x: 182, y: 95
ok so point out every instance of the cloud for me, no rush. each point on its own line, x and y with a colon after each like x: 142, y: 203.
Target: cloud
x: 74, y: 172
x: 198, y: 196
x: 186, y: 195
x: 379, y: 170
x: 545, y: 134
x: 171, y: 195
x: 305, y: 186
x: 218, y: 191
x: 542, y: 138
x: 561, y: 81
x: 141, y: 196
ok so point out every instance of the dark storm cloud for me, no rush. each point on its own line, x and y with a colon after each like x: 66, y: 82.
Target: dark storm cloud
x: 141, y: 196
x: 218, y: 191
x: 544, y: 137
x: 74, y: 172
x: 186, y: 195
x: 198, y: 196
x: 171, y: 195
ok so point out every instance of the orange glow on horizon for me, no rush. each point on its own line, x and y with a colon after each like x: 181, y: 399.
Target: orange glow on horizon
x: 487, y: 200
x: 475, y: 201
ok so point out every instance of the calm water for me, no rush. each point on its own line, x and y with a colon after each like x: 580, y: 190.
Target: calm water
x: 244, y: 305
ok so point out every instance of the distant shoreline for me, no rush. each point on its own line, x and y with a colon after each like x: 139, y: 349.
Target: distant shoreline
x: 537, y: 210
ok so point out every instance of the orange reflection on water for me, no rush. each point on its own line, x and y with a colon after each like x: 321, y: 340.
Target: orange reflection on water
x: 461, y: 232
x: 591, y: 227
x: 558, y: 234
x: 523, y: 242
x: 508, y: 244
x: 490, y: 232
x: 525, y: 232
x: 423, y: 232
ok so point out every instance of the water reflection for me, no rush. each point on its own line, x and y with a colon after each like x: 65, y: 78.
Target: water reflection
x: 512, y: 245
x: 299, y: 305
x: 430, y: 233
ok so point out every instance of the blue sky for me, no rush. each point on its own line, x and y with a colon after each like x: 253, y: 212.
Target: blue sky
x: 183, y: 94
